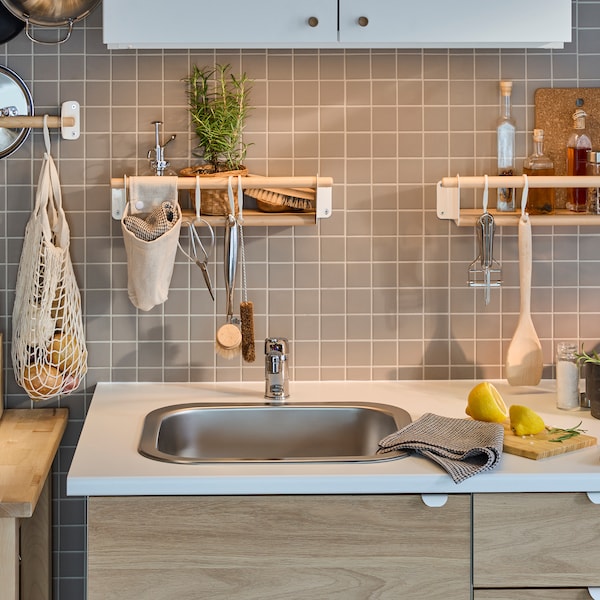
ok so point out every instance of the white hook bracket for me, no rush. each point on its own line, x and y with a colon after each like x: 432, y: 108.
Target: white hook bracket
x: 524, y: 214
x: 70, y: 110
x: 486, y: 190
x: 68, y: 122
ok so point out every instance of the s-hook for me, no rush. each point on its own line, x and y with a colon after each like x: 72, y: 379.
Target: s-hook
x: 484, y: 271
x: 199, y: 254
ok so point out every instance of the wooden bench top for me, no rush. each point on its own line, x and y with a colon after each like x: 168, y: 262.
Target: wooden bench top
x: 29, y: 439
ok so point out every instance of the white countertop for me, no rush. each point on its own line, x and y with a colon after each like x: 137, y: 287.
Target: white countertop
x: 107, y: 463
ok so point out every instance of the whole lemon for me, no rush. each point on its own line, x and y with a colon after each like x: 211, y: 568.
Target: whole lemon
x: 524, y: 421
x: 486, y: 404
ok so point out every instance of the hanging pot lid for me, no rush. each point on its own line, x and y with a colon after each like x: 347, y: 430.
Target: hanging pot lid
x: 50, y: 13
x: 16, y: 100
x: 10, y: 26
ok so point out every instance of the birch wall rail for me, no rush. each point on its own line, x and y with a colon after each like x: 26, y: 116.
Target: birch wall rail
x: 449, y: 199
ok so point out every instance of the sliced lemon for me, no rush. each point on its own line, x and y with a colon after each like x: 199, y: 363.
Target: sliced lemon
x: 486, y: 404
x: 524, y: 421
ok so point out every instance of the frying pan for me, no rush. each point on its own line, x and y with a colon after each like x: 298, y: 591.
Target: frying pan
x: 50, y: 13
x: 10, y: 26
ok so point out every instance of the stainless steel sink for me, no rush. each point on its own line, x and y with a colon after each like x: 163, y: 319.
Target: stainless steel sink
x: 323, y: 432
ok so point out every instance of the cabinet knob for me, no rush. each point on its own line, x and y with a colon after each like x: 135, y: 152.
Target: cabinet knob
x: 363, y: 21
x: 313, y: 21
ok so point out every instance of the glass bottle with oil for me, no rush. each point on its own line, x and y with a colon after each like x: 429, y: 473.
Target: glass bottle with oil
x: 505, y: 137
x: 540, y: 201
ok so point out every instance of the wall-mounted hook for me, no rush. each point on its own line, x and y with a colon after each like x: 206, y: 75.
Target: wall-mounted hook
x: 68, y: 122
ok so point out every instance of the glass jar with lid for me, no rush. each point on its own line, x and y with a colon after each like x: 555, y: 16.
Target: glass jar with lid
x: 567, y: 376
x: 593, y: 193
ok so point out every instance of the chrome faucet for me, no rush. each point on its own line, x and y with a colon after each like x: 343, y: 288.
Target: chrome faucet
x: 276, y: 375
x: 158, y: 163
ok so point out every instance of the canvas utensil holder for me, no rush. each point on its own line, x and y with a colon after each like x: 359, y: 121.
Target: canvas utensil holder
x: 150, y: 262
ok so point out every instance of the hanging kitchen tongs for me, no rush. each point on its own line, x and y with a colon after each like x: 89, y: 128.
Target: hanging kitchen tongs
x: 199, y: 254
x: 485, y: 271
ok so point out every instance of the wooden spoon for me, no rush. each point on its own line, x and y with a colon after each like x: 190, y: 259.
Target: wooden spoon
x: 524, y: 359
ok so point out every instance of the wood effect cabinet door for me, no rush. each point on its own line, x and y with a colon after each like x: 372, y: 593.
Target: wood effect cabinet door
x: 278, y: 547
x: 535, y: 540
x: 529, y: 594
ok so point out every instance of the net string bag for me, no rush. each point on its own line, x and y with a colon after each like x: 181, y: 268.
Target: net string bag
x: 48, y: 349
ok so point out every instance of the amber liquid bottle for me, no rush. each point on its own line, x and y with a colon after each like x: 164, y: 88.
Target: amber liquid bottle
x: 540, y: 201
x: 577, y: 147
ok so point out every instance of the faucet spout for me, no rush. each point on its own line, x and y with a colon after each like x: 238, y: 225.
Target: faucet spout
x: 159, y: 164
x: 276, y: 371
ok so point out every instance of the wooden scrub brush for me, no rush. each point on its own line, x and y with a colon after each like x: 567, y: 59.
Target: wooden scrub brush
x: 280, y: 200
x: 246, y: 307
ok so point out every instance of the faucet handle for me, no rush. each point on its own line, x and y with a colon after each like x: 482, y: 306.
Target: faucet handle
x: 277, y: 346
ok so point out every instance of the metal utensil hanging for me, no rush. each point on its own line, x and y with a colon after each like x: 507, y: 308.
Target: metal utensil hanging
x: 485, y: 271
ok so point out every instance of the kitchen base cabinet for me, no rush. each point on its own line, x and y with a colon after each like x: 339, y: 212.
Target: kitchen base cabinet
x: 339, y: 547
x: 535, y: 540
x: 538, y: 594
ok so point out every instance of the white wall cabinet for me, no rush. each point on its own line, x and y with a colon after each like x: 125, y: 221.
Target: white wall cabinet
x: 337, y: 24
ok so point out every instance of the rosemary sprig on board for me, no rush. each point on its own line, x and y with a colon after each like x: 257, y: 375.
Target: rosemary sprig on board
x: 566, y: 434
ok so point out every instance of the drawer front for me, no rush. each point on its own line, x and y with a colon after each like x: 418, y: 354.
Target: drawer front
x: 539, y: 594
x: 294, y: 547
x: 535, y: 540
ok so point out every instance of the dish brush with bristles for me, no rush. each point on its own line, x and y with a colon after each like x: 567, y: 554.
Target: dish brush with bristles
x: 228, y: 340
x: 281, y: 200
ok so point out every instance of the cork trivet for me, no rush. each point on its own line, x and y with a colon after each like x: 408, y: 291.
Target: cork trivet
x: 554, y: 108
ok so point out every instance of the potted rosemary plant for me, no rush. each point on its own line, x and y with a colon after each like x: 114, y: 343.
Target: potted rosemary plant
x: 218, y: 107
x: 591, y: 363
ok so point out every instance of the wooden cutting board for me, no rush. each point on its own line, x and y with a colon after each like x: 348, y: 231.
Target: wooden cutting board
x: 538, y: 446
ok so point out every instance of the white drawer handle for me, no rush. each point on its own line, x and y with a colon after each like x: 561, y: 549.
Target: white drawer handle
x: 594, y: 593
x: 594, y: 497
x: 434, y: 500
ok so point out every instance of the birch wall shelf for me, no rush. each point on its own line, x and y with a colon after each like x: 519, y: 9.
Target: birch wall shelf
x: 252, y: 216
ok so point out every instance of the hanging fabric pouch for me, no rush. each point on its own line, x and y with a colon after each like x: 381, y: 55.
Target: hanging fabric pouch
x: 151, y: 245
x: 48, y: 352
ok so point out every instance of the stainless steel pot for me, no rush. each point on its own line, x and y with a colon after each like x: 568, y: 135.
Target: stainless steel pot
x: 10, y: 26
x: 50, y: 13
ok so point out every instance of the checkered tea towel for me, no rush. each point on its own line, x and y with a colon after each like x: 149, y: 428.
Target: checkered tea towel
x: 159, y: 221
x: 462, y: 447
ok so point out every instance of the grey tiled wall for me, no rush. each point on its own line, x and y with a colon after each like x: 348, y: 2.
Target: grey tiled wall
x: 375, y: 292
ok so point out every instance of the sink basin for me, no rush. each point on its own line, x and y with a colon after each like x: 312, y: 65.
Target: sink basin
x: 311, y: 432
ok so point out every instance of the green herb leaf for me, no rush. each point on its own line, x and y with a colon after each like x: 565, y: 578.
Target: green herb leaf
x: 566, y: 434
